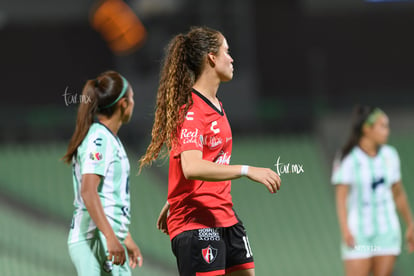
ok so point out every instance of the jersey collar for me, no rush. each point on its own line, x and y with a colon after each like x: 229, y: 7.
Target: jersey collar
x: 207, y: 101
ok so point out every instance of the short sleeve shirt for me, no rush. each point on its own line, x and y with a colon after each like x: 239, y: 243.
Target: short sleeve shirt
x: 103, y: 154
x: 196, y: 204
x: 370, y: 203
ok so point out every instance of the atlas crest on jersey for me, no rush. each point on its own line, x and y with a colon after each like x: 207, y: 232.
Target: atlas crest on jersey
x: 95, y: 156
x: 209, y: 254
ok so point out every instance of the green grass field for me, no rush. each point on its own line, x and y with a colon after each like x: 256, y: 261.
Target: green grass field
x: 293, y: 232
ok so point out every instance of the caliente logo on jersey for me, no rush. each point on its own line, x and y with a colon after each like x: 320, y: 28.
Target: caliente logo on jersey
x: 98, y: 142
x: 214, y: 127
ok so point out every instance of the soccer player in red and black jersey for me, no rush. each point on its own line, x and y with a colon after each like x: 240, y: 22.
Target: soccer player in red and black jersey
x: 206, y: 235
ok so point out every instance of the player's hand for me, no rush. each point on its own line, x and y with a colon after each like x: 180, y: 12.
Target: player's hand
x: 162, y: 219
x: 348, y: 238
x: 265, y: 176
x: 409, y: 237
x: 116, y: 251
x: 134, y: 253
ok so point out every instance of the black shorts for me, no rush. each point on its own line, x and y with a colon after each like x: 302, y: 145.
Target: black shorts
x: 212, y: 251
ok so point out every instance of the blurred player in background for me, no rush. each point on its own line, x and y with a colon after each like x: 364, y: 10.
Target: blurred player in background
x: 99, y: 235
x: 368, y: 192
x: 206, y: 235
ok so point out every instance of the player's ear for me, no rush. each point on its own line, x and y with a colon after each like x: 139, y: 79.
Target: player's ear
x: 366, y: 129
x: 124, y: 103
x: 211, y: 59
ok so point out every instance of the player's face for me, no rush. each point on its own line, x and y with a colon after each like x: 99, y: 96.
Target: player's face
x: 127, y: 115
x: 224, y: 62
x: 379, y: 131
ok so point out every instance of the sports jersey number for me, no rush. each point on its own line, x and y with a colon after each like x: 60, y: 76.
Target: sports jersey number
x: 249, y: 252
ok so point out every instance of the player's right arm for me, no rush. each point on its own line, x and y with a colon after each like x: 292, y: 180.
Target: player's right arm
x: 341, y: 198
x: 89, y: 193
x: 195, y: 167
x: 342, y: 176
x: 162, y: 218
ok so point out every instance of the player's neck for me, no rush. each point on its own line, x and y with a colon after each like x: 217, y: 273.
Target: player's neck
x: 207, y: 88
x: 368, y: 146
x: 111, y: 123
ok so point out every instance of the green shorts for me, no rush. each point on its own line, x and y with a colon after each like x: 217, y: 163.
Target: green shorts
x: 89, y: 256
x: 383, y: 244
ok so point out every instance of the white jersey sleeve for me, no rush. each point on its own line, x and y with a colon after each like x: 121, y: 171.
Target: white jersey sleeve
x: 394, y: 163
x: 95, y: 157
x: 343, y: 171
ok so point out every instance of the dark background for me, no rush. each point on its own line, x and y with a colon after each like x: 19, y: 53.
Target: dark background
x: 295, y: 61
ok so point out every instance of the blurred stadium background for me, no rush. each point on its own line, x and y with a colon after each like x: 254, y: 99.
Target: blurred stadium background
x: 300, y: 66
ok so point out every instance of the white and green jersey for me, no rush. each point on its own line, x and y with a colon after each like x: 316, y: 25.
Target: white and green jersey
x: 370, y: 203
x: 101, y: 153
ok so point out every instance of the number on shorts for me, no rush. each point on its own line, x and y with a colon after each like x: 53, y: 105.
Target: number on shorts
x: 247, y: 246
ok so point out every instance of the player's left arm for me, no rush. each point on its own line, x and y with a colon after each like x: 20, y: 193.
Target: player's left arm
x: 195, y: 167
x: 134, y: 253
x: 403, y: 207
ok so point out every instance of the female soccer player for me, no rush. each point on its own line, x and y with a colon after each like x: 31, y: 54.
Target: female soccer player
x: 99, y: 233
x: 368, y: 192
x: 207, y: 237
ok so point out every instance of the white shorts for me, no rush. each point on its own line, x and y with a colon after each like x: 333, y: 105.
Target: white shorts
x: 89, y: 256
x: 376, y: 245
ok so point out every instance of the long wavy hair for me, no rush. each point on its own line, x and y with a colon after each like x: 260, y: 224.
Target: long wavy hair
x: 99, y: 92
x: 185, y: 58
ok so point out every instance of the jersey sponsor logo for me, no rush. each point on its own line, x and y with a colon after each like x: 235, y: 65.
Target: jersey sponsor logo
x: 121, y: 155
x: 208, y: 234
x: 209, y: 254
x: 223, y: 158
x: 191, y: 137
x: 95, y: 156
x: 125, y: 211
x: 201, y: 140
x: 212, y: 141
x: 98, y: 142
x: 189, y: 116
x: 213, y: 127
x: 377, y: 182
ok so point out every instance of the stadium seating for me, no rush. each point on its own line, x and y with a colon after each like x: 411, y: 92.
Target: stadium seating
x: 293, y: 232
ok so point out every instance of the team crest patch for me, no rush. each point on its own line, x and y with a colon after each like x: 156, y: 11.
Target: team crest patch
x: 209, y: 254
x: 95, y: 156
